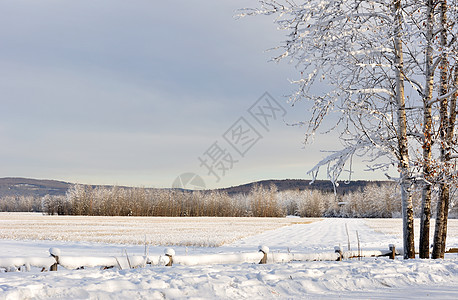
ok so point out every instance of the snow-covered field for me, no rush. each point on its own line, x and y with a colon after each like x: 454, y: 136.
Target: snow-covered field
x: 209, y: 232
x: 374, y: 278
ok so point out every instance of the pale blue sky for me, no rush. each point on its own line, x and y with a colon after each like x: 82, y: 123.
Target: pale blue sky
x: 133, y: 92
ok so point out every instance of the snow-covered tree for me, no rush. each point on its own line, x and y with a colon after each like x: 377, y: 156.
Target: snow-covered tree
x: 356, y: 49
x: 447, y: 110
x: 432, y: 51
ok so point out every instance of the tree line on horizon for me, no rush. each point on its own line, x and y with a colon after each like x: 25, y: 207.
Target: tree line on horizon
x: 372, y: 201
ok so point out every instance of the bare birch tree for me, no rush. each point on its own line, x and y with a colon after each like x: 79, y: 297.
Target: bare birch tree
x: 421, y: 52
x: 428, y: 132
x: 447, y: 101
x: 433, y: 23
x: 436, y: 32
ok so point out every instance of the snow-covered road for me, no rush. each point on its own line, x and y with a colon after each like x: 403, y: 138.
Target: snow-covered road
x: 320, y: 236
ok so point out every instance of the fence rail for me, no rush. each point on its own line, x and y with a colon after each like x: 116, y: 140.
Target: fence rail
x: 169, y: 258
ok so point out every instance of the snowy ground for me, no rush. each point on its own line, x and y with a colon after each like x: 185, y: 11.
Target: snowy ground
x: 370, y: 278
x: 209, y: 232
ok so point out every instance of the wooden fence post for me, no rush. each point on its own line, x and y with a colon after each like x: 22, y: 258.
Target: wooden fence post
x: 55, y: 252
x: 339, y: 251
x: 393, y: 251
x: 169, y: 252
x: 265, y: 250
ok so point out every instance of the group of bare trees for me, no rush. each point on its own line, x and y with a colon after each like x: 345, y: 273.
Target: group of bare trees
x: 119, y: 201
x: 20, y: 204
x: 373, y: 201
x: 389, y: 71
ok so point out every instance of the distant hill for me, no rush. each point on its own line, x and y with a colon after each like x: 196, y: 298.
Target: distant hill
x: 302, y: 184
x: 32, y: 187
x: 40, y: 187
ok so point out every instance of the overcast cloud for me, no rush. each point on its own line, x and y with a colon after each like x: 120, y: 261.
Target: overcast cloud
x: 133, y: 92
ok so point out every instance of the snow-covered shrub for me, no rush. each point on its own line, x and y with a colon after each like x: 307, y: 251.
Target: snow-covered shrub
x: 20, y: 204
x: 311, y: 203
x: 55, y: 205
x: 289, y: 201
x: 265, y: 202
x: 374, y: 201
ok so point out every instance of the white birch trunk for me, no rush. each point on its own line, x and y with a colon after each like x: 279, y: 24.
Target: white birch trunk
x: 406, y: 197
x: 440, y: 232
x: 428, y: 133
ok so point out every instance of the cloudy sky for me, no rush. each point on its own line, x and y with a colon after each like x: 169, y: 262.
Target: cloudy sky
x: 138, y: 92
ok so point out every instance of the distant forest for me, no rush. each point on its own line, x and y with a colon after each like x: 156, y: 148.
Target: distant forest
x: 272, y: 198
x: 40, y: 188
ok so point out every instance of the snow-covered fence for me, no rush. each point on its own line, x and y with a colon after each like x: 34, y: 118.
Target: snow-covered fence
x: 55, y: 253
x: 137, y: 261
x: 393, y: 251
x: 106, y: 262
x: 17, y: 263
x: 129, y: 262
x: 212, y: 259
x: 337, y: 255
x: 79, y: 262
x: 169, y: 253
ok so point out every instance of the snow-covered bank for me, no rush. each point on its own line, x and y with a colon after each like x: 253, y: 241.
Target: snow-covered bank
x: 349, y: 279
x: 370, y: 278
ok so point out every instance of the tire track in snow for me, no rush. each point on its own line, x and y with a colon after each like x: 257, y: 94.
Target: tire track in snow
x: 320, y: 236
